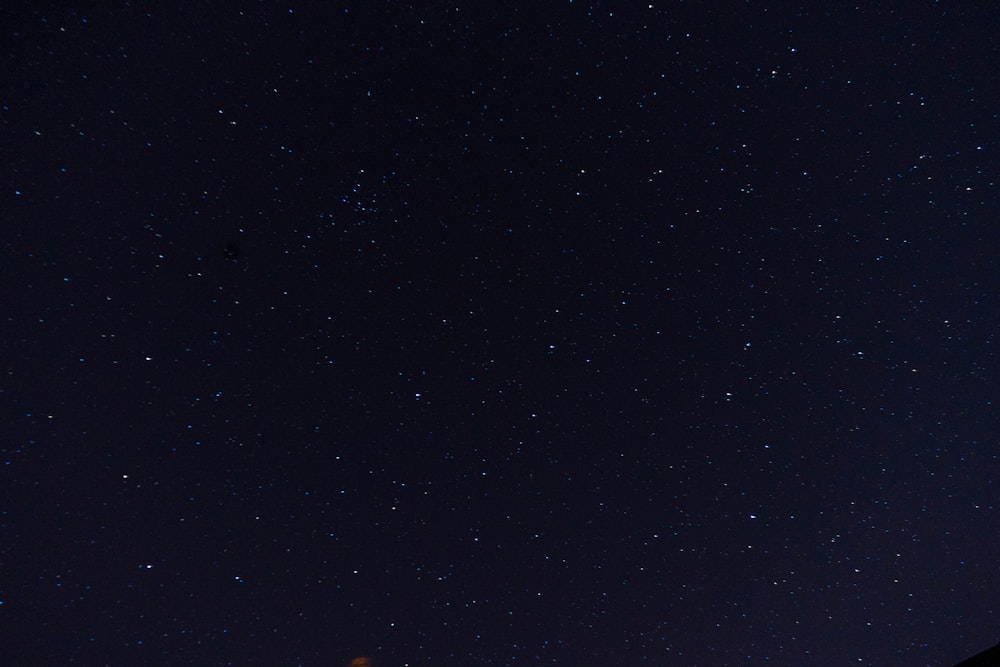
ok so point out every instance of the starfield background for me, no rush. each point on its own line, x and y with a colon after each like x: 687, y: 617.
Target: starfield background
x: 457, y: 333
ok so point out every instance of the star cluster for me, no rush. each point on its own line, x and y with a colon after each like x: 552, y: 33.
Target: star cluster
x: 498, y: 336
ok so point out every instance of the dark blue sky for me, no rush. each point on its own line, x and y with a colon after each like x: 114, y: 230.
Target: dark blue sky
x: 564, y: 334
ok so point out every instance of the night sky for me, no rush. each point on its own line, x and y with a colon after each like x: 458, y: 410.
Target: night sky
x: 504, y: 334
